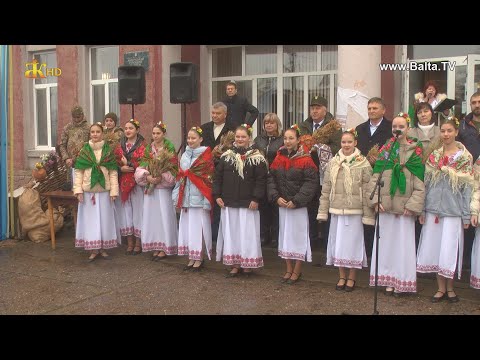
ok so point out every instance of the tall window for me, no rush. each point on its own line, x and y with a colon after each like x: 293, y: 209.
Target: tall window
x: 46, y: 104
x: 277, y: 78
x: 104, y: 81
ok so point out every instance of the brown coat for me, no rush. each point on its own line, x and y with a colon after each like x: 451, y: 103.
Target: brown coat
x: 74, y: 135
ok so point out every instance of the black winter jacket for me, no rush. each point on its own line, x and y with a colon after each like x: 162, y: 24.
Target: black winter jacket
x: 293, y: 178
x: 237, y: 109
x: 229, y: 185
x: 365, y: 141
x: 468, y: 135
x: 269, y: 145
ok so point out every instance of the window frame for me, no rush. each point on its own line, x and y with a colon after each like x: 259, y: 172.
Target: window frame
x: 105, y: 82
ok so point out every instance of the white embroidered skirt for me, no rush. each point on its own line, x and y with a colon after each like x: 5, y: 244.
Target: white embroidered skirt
x: 440, y: 246
x: 238, y: 240
x: 95, y: 222
x: 346, y: 247
x: 475, y: 271
x: 159, y: 223
x: 133, y: 212
x: 194, y: 229
x: 397, y: 259
x: 293, y: 235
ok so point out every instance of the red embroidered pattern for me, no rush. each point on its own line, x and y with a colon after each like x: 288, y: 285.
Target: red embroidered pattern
x: 192, y: 254
x: 96, y: 244
x: 243, y: 262
x: 474, y: 282
x: 390, y: 281
x: 291, y: 255
x: 126, y: 231
x: 160, y: 246
x: 435, y: 269
x: 345, y: 263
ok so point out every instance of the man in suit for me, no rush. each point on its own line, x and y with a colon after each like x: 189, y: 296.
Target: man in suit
x: 375, y: 131
x: 213, y: 130
x: 238, y: 107
x: 212, y: 133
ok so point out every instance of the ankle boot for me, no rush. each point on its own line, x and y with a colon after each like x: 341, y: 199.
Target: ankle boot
x: 138, y: 246
x: 130, y: 245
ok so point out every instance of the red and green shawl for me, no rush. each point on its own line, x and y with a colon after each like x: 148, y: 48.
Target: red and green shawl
x: 86, y: 159
x: 414, y: 164
x: 127, y: 180
x: 200, y: 174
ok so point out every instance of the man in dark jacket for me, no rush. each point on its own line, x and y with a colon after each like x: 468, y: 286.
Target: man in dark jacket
x: 469, y: 130
x: 319, y: 117
x: 375, y: 131
x: 469, y: 135
x: 238, y: 107
x: 213, y: 130
x: 212, y: 133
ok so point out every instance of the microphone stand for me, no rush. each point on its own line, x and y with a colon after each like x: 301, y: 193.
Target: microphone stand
x: 378, y: 186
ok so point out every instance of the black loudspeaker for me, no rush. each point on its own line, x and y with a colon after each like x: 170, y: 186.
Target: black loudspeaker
x: 131, y: 84
x: 183, y: 83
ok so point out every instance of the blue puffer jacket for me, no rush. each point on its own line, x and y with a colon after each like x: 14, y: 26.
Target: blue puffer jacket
x: 192, y: 196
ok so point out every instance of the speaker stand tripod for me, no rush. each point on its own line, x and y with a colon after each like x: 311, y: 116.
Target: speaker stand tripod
x: 133, y: 111
x: 184, y: 130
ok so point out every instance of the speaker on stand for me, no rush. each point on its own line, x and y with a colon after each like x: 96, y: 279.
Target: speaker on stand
x: 131, y: 86
x: 183, y: 90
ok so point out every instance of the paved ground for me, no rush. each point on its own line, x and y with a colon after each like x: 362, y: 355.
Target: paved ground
x: 37, y: 280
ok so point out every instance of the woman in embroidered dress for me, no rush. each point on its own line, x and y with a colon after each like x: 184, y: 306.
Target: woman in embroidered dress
x: 402, y: 199
x: 193, y: 194
x: 238, y: 187
x: 292, y: 184
x: 130, y: 208
x: 345, y: 196
x: 448, y: 185
x: 475, y: 209
x: 96, y: 187
x: 156, y: 174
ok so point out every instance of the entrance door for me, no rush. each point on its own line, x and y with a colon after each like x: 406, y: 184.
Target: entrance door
x: 450, y: 75
x: 473, y: 78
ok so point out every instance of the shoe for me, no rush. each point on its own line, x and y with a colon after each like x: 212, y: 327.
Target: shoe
x: 105, y: 256
x: 439, y: 298
x: 247, y: 273
x: 341, y: 287
x: 284, y: 279
x: 196, y: 268
x: 161, y: 257
x: 389, y: 292
x: 93, y: 257
x: 398, y: 294
x: 452, y: 299
x: 154, y: 256
x: 187, y: 267
x: 233, y: 274
x: 293, y: 281
x: 350, y: 288
x: 136, y: 252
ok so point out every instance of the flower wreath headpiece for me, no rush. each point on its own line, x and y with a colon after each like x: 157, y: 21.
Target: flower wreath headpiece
x: 296, y: 128
x: 135, y: 122
x: 405, y: 116
x: 455, y: 120
x: 198, y: 130
x: 248, y: 127
x: 353, y: 132
x: 162, y: 126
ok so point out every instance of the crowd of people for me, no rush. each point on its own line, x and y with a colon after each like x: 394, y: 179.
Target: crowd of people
x: 276, y: 188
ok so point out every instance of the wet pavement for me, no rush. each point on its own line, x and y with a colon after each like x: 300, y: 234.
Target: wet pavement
x: 34, y: 279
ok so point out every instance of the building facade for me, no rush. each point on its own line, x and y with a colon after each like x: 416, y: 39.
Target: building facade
x: 275, y: 78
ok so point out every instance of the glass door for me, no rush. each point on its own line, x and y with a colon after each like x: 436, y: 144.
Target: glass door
x: 473, y: 77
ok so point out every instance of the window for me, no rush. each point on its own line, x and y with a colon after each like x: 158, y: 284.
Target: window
x: 46, y: 104
x: 104, y: 82
x: 277, y: 78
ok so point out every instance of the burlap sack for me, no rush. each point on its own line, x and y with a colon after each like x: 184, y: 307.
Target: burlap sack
x: 42, y: 233
x: 30, y: 210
